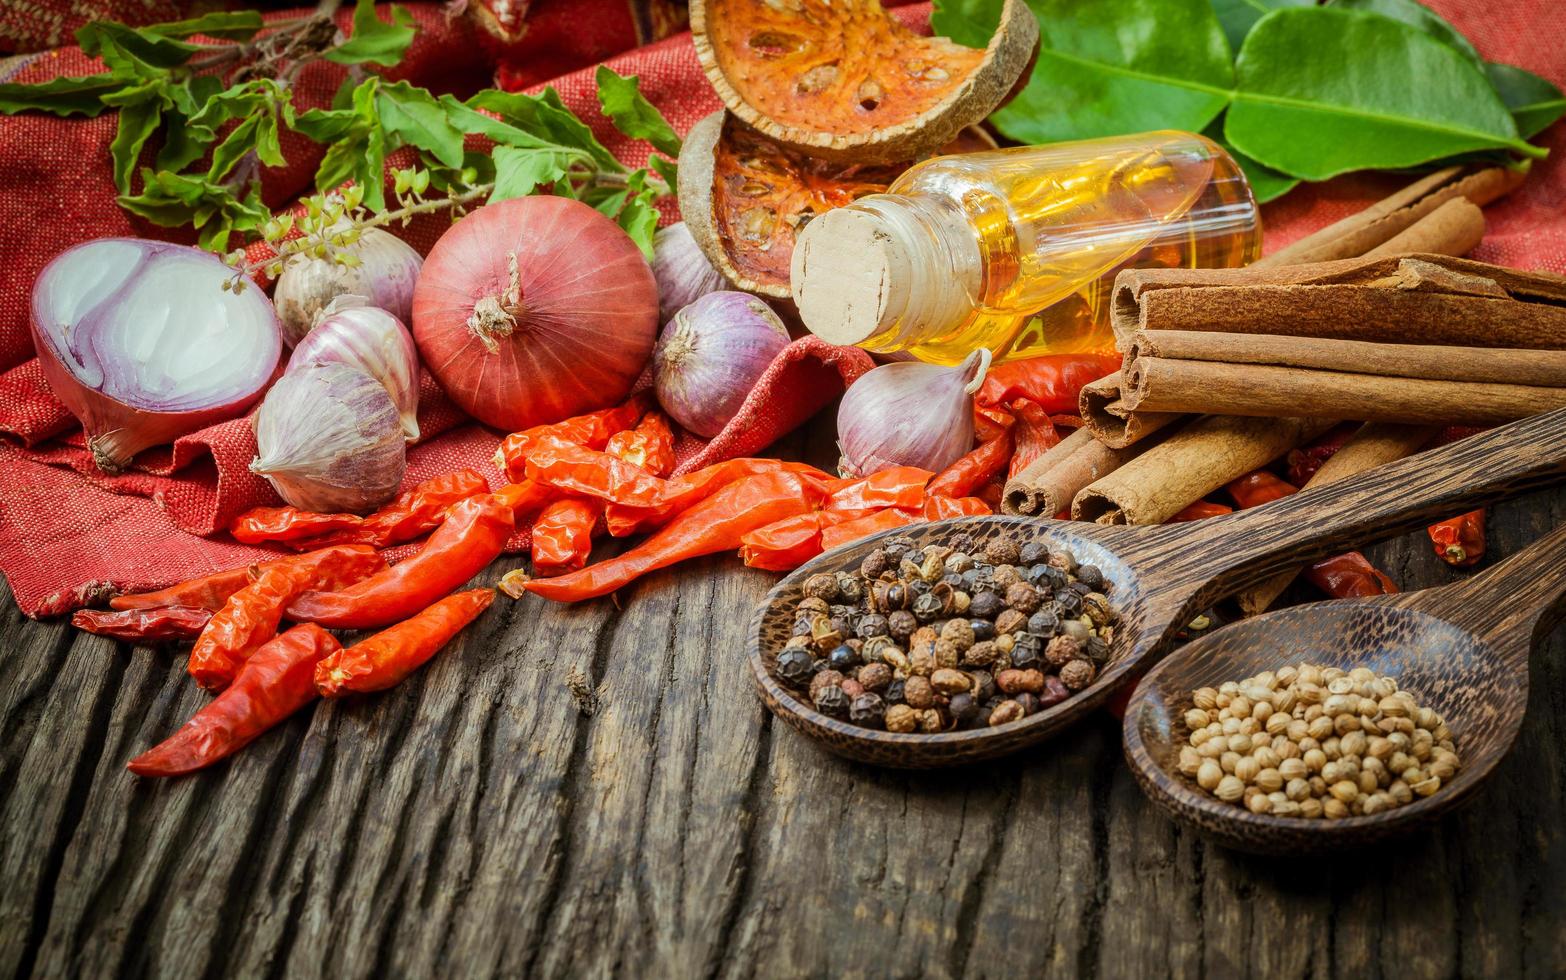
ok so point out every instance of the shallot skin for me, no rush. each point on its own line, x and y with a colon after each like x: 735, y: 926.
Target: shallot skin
x: 534, y: 309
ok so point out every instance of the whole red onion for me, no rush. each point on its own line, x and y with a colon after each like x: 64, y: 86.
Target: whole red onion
x: 534, y: 309
x: 710, y: 356
x: 144, y: 342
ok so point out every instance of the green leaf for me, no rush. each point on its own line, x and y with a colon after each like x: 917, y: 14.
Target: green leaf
x: 1239, y: 16
x: 1533, y: 101
x: 239, y: 141
x: 236, y: 25
x: 137, y: 123
x: 667, y: 169
x: 414, y: 117
x: 1266, y: 183
x: 1108, y: 68
x: 269, y: 146
x: 546, y: 117
x: 622, y: 101
x: 518, y: 171
x: 373, y: 40
x: 1390, y: 96
x: 64, y: 96
x: 470, y: 120
x: 104, y: 38
x: 1419, y: 17
x: 326, y: 125
x: 639, y: 216
x: 183, y: 144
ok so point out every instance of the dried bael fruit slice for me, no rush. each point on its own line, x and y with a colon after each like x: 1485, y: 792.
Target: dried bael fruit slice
x: 745, y: 197
x: 844, y: 79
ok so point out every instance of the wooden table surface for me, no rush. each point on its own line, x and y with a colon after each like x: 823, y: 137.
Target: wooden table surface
x: 593, y: 791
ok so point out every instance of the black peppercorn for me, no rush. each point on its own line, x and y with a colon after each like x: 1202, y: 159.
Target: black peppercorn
x: 1090, y: 576
x: 832, y: 701
x: 794, y: 665
x: 986, y: 605
x: 952, y: 579
x: 872, y: 624
x: 849, y: 587
x: 1026, y: 651
x: 1043, y: 623
x: 983, y: 685
x: 917, y: 588
x: 1055, y: 691
x: 1053, y: 578
x: 983, y: 629
x: 1030, y: 704
x: 1032, y: 553
x: 894, y: 691
x: 1080, y: 588
x: 843, y: 658
x: 981, y: 718
x: 874, y: 564
x: 844, y: 625
x: 927, y: 607
x: 1068, y: 604
x: 867, y: 710
x: 901, y: 624
x: 1023, y: 597
x: 1096, y: 649
x: 963, y: 708
x: 802, y: 625
x: 1037, y: 575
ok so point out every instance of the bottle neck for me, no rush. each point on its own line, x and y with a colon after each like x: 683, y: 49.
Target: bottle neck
x: 888, y: 271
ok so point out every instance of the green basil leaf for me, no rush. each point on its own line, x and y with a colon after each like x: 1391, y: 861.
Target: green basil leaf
x: 1534, y: 102
x: 1239, y: 16
x: 137, y: 123
x: 519, y: 171
x: 325, y: 125
x: 269, y: 145
x: 103, y: 38
x: 193, y: 94
x: 1390, y: 97
x: 374, y: 40
x: 470, y: 120
x: 639, y: 215
x: 1419, y: 17
x: 183, y: 144
x: 667, y: 169
x: 414, y: 116
x: 234, y: 25
x: 64, y: 96
x: 546, y: 117
x: 622, y: 101
x: 1108, y: 68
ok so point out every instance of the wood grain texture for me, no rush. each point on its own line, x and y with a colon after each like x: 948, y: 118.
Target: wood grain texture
x: 474, y: 821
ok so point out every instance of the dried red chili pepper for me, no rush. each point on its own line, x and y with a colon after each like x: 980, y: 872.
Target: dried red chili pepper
x: 276, y: 681
x: 207, y: 592
x: 1460, y: 541
x: 289, y: 525
x: 1053, y: 381
x: 1349, y: 576
x: 420, y: 510
x: 472, y: 535
x: 862, y: 527
x: 716, y: 524
x: 938, y: 507
x: 592, y: 473
x: 1033, y: 434
x: 247, y: 620
x: 1306, y: 460
x: 1260, y: 487
x: 384, y: 659
x: 650, y: 445
x: 783, y: 546
x: 563, y: 535
x: 899, y: 486
x: 683, y: 492
x: 1201, y: 510
x: 526, y: 498
x: 591, y: 430
x: 990, y: 421
x: 162, y: 623
x: 974, y: 470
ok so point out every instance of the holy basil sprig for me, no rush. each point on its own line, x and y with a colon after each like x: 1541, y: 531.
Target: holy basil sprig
x: 1297, y: 91
x: 215, y: 113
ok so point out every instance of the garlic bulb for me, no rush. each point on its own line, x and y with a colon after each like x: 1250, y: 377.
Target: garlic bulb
x: 371, y: 340
x: 683, y: 273
x: 909, y: 414
x: 329, y: 439
x: 387, y: 270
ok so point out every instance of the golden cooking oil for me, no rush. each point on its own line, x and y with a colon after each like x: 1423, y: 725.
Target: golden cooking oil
x: 1016, y: 250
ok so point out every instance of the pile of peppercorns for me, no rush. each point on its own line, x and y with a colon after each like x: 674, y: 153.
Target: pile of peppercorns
x: 949, y: 636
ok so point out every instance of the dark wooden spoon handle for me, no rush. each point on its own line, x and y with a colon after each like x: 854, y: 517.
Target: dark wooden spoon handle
x: 1516, y: 602
x: 1217, y: 557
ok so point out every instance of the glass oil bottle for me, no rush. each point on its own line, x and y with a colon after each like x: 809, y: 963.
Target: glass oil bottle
x: 1016, y: 250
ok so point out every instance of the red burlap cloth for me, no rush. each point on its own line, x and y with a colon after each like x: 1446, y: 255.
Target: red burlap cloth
x: 68, y: 532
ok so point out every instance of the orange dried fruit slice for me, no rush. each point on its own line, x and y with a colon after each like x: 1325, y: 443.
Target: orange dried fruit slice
x: 844, y: 79
x: 745, y: 196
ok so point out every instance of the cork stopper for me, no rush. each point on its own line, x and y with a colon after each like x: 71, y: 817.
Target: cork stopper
x: 887, y: 269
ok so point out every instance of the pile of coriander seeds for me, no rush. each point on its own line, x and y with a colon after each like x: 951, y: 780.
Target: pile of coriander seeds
x: 944, y: 637
x: 1315, y: 742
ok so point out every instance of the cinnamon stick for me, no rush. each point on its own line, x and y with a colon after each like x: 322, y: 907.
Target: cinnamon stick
x: 1454, y: 228
x: 1200, y: 458
x: 1111, y: 422
x: 1374, y: 444
x: 1361, y: 232
x: 1049, y: 484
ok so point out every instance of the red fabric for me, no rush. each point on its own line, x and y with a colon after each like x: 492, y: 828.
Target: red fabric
x: 68, y: 532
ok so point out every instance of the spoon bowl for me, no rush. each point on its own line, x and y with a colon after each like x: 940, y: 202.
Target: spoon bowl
x: 1160, y: 577
x: 1461, y: 649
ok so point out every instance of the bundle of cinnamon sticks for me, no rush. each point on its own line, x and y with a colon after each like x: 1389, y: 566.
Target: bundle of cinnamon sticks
x: 1372, y: 319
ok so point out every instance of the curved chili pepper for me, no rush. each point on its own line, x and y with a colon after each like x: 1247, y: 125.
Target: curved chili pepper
x: 973, y: 471
x: 1349, y: 576
x: 1459, y: 541
x: 592, y: 473
x: 276, y: 681
x: 1053, y: 381
x: 1260, y: 487
x: 1306, y: 460
x: 563, y: 535
x: 162, y: 623
x: 718, y: 523
x: 591, y: 430
x: 650, y: 445
x: 207, y: 592
x: 526, y: 498
x: 384, y: 659
x: 1201, y: 510
x: 783, y: 546
x: 289, y: 525
x: 472, y: 535
x: 418, y: 511
x: 862, y: 527
x: 1033, y: 434
x: 683, y: 492
x: 938, y: 507
x: 245, y: 622
x: 899, y: 486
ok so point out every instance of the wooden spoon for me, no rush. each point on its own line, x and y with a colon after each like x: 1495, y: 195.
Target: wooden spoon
x: 1461, y: 649
x: 1162, y: 576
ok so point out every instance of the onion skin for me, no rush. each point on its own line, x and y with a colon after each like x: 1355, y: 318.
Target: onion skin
x: 387, y: 272
x: 683, y: 272
x: 711, y: 355
x: 118, y: 425
x: 329, y: 440
x: 371, y: 340
x: 909, y: 413
x: 534, y: 309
